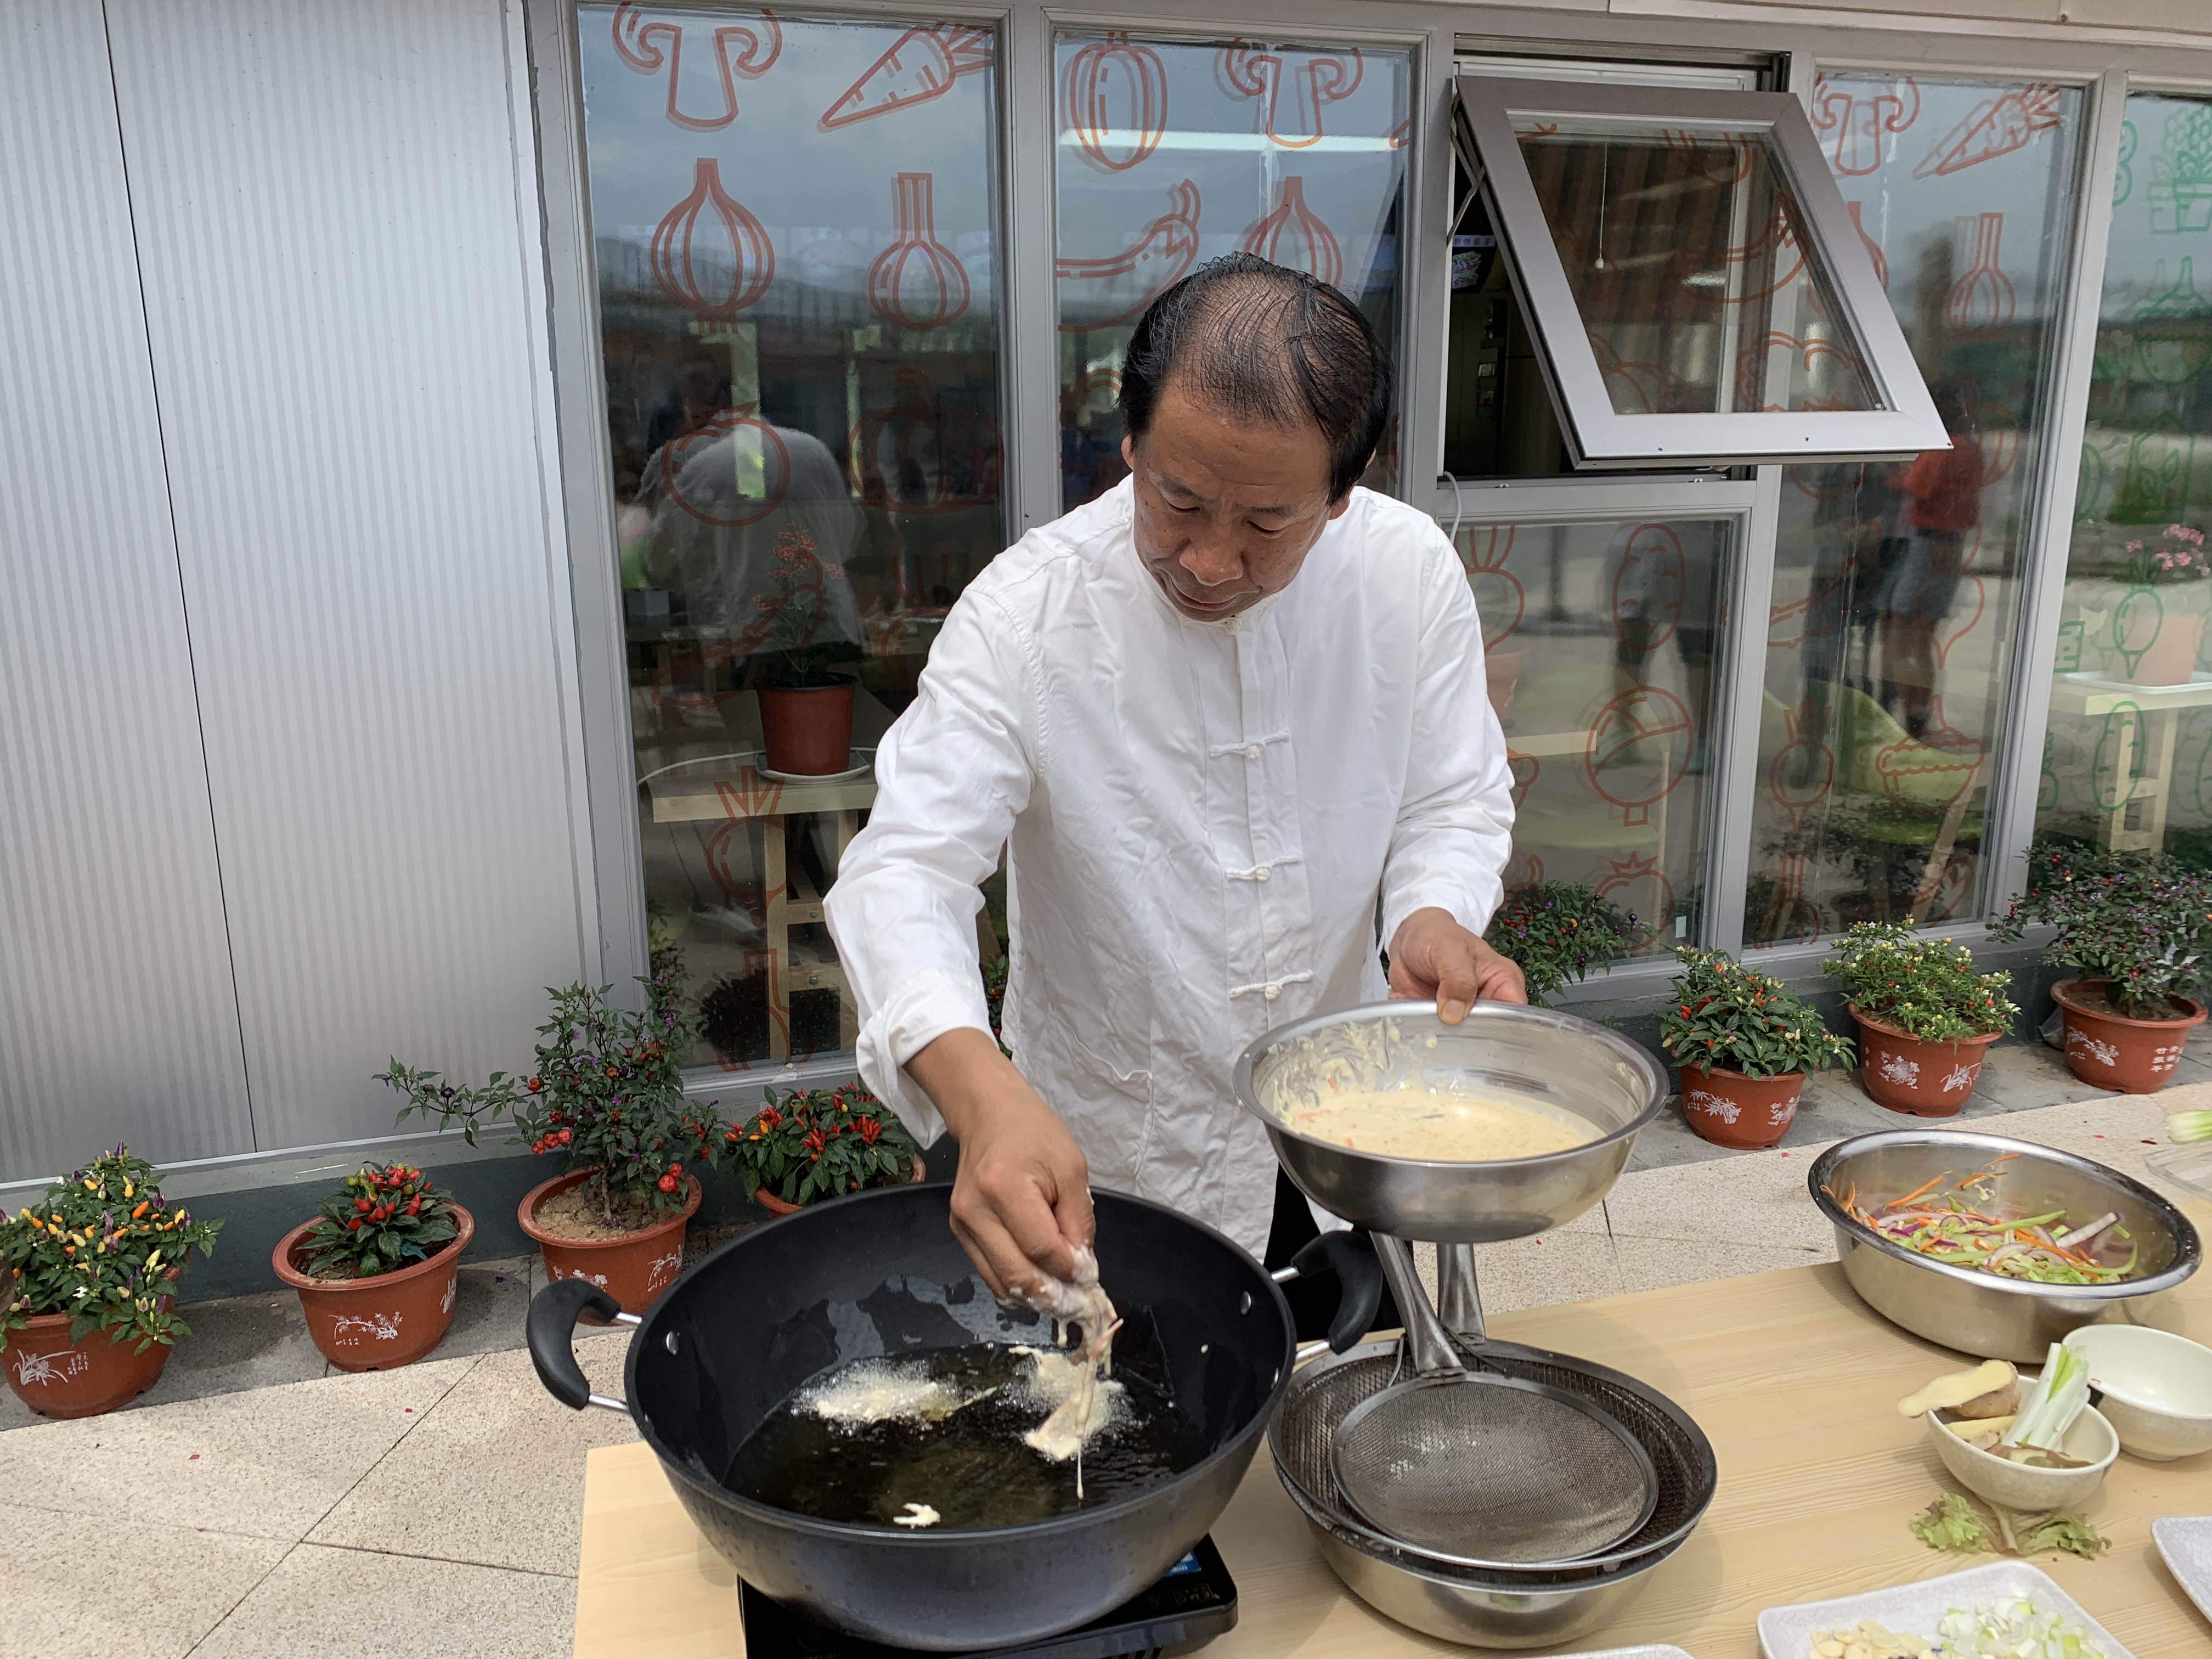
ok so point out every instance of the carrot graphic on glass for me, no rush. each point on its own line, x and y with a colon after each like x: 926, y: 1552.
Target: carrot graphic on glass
x: 922, y: 64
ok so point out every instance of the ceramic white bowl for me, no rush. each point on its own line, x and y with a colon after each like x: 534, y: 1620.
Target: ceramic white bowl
x: 2022, y: 1486
x: 2157, y: 1388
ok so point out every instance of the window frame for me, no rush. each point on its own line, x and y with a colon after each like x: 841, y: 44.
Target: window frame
x: 549, y: 143
x: 1597, y: 435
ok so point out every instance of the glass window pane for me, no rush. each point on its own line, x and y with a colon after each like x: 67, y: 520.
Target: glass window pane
x: 1599, y: 638
x: 2127, y: 763
x: 1896, y: 586
x: 1174, y: 152
x: 1684, y: 255
x: 798, y: 295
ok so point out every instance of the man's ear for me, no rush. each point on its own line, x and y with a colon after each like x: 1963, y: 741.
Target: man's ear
x: 1129, y: 453
x: 1336, y: 508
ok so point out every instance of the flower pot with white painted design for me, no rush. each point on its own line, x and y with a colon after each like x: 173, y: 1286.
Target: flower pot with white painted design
x: 1729, y: 1108
x: 1915, y: 1075
x: 384, y: 1321
x: 58, y: 1378
x: 2110, y: 1050
x: 633, y: 1268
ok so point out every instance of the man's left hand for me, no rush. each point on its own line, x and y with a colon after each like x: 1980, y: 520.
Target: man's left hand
x: 1434, y: 957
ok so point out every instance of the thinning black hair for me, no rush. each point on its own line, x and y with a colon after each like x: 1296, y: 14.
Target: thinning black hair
x: 1264, y: 342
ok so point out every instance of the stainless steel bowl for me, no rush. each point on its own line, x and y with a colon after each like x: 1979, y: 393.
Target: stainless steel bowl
x: 1486, y: 1607
x: 1980, y: 1313
x: 1584, y: 1068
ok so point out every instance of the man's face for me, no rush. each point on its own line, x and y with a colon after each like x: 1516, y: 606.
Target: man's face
x: 1226, y: 512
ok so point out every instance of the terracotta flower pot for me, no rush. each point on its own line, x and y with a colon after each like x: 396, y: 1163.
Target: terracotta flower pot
x: 1747, y: 1113
x: 1907, y: 1074
x: 774, y: 1206
x: 808, y: 732
x: 2171, y: 657
x: 56, y: 1377
x: 2135, y: 1056
x: 635, y: 1268
x: 376, y: 1324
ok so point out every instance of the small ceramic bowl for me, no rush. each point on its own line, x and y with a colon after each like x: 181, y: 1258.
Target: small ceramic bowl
x: 2023, y: 1487
x: 2157, y: 1388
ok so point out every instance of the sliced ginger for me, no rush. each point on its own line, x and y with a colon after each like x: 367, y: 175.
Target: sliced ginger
x: 1989, y: 1389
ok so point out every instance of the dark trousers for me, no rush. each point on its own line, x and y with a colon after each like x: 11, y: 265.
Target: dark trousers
x: 1313, y: 1301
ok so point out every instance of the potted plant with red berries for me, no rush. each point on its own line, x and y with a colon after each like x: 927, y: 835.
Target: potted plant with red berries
x: 89, y: 1322
x: 1926, y: 1019
x: 606, y: 1099
x: 1557, y: 931
x: 1744, y: 1044
x: 2139, y: 928
x: 817, y: 1144
x: 806, y: 691
x: 378, y: 1269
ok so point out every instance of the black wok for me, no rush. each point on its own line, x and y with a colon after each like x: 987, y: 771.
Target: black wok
x: 879, y: 1272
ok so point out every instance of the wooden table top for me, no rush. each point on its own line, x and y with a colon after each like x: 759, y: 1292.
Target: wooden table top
x: 1794, y: 1381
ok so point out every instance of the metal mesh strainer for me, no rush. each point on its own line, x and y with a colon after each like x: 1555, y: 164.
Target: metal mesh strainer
x: 1482, y: 1469
x: 1478, y: 1468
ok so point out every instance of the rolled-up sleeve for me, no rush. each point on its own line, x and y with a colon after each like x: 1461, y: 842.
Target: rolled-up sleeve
x: 951, y: 777
x: 1454, y: 833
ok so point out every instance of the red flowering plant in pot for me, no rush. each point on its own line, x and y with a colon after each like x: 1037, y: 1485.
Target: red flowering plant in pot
x: 1926, y: 1019
x: 605, y: 1099
x: 377, y: 1270
x: 806, y: 685
x: 1744, y: 1044
x: 2139, y: 928
x: 815, y: 1144
x: 91, y: 1318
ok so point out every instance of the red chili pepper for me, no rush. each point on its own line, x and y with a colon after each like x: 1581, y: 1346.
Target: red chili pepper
x: 354, y: 1226
x: 415, y: 1205
x: 362, y: 1205
x: 666, y: 1184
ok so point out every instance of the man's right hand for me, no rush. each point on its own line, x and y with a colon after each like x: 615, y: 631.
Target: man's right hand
x: 1021, y: 1204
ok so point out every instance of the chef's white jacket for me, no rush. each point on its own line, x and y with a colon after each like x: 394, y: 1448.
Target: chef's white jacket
x: 1200, y: 817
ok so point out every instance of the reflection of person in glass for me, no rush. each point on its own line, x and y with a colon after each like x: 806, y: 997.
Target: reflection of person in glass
x: 728, y: 492
x: 1942, y: 491
x: 1219, y: 716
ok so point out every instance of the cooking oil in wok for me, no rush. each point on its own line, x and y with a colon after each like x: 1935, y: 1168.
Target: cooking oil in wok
x: 894, y: 1442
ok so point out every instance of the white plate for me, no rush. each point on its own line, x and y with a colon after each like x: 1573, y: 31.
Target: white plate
x: 861, y: 768
x: 2186, y: 1541
x: 1787, y: 1632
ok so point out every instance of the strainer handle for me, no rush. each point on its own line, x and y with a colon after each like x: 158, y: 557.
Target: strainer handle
x: 1459, y: 1304
x: 1432, y: 1349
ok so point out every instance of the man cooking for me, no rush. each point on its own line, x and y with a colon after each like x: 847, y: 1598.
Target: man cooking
x: 1217, y: 717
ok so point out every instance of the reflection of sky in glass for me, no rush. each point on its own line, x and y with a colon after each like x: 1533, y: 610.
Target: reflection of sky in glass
x: 2159, y: 262
x: 1950, y: 153
x: 1210, y: 113
x: 825, y: 197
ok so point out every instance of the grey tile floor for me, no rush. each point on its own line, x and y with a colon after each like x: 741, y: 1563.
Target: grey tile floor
x: 268, y: 1510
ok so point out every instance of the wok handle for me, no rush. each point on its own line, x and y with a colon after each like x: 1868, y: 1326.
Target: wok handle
x: 1350, y: 1257
x: 551, y: 1330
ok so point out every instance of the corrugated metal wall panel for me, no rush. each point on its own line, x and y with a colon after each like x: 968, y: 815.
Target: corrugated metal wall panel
x: 331, y: 222
x: 117, y: 1019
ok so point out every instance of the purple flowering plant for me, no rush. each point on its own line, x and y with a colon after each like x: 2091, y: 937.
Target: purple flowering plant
x: 105, y: 1247
x: 605, y: 1094
x: 1559, y: 931
x: 2138, y: 920
x: 2176, y: 556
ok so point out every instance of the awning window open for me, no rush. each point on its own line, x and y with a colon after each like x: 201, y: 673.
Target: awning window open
x: 1699, y: 293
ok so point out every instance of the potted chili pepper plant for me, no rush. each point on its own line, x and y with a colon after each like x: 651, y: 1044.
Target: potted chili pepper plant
x: 815, y: 1144
x: 1744, y: 1044
x: 1926, y: 1019
x: 605, y: 1098
x: 91, y: 1319
x: 1557, y: 932
x: 378, y: 1269
x: 806, y: 691
x: 2139, y: 928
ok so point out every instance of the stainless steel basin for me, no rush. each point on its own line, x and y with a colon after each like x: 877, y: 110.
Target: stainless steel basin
x: 1981, y: 1313
x: 1573, y: 1064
